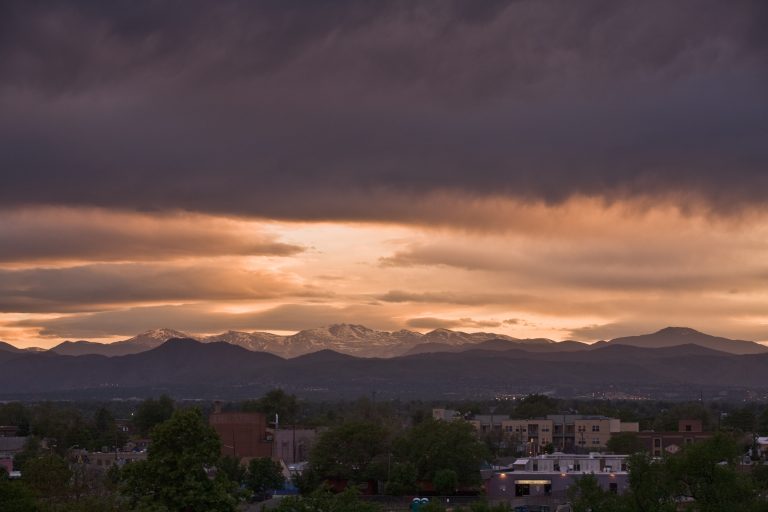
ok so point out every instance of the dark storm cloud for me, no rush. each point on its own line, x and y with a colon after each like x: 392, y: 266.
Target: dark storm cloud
x: 94, y: 287
x: 55, y: 234
x: 344, y: 109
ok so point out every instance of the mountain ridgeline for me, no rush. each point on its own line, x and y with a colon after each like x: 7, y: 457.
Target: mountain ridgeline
x: 361, y: 341
x: 659, y: 365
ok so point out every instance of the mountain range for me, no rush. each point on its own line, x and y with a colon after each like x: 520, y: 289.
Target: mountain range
x: 189, y: 368
x: 345, y: 338
x: 361, y: 341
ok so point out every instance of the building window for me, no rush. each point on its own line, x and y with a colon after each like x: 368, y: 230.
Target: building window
x: 595, y: 428
x: 688, y: 428
x: 595, y: 440
x: 613, y: 487
x: 577, y: 466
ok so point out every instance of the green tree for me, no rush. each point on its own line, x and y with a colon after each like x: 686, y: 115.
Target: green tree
x: 16, y: 414
x: 15, y: 496
x: 275, y: 402
x: 403, y: 479
x: 705, y: 472
x: 625, y: 443
x: 233, y: 468
x: 62, y: 427
x: 322, y: 500
x: 175, y: 475
x: 434, y: 445
x: 762, y: 421
x: 743, y: 420
x: 353, y: 451
x: 152, y: 412
x: 31, y: 450
x: 651, y: 486
x: 535, y: 406
x: 48, y: 477
x: 106, y: 432
x: 667, y: 420
x: 445, y: 482
x: 264, y: 474
x: 586, y: 495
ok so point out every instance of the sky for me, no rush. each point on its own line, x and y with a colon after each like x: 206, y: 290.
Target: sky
x: 572, y: 170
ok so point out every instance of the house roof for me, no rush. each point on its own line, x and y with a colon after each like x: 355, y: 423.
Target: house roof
x: 12, y: 443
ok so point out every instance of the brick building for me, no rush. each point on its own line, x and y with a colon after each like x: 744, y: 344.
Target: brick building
x: 242, y: 434
x: 664, y: 443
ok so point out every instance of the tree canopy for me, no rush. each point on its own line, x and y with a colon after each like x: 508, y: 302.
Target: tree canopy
x: 175, y: 476
x: 355, y: 451
x: 433, y: 445
x: 152, y: 412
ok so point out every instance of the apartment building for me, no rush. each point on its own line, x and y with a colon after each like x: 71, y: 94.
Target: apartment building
x: 564, y: 432
x: 583, y: 432
x: 486, y: 423
x: 528, y: 436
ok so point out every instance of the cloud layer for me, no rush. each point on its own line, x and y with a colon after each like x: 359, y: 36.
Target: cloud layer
x: 338, y: 111
x: 551, y: 169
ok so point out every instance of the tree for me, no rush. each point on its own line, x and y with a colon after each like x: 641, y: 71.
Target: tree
x: 275, y: 402
x: 586, y: 495
x: 48, y: 477
x: 62, y: 427
x: 175, y: 475
x: 445, y: 481
x: 535, y: 406
x: 743, y: 420
x: 106, y: 432
x: 625, y: 443
x: 16, y: 414
x: 32, y: 449
x: 232, y: 468
x: 403, y: 479
x: 651, y: 487
x: 15, y: 496
x: 353, y: 451
x: 152, y: 412
x: 702, y: 472
x: 434, y: 445
x: 705, y: 472
x: 668, y: 420
x: 264, y: 474
x: 322, y: 500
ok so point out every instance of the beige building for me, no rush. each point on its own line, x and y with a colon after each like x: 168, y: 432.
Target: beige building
x: 586, y: 433
x: 528, y: 436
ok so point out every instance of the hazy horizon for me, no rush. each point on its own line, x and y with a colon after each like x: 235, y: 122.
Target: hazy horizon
x: 204, y: 335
